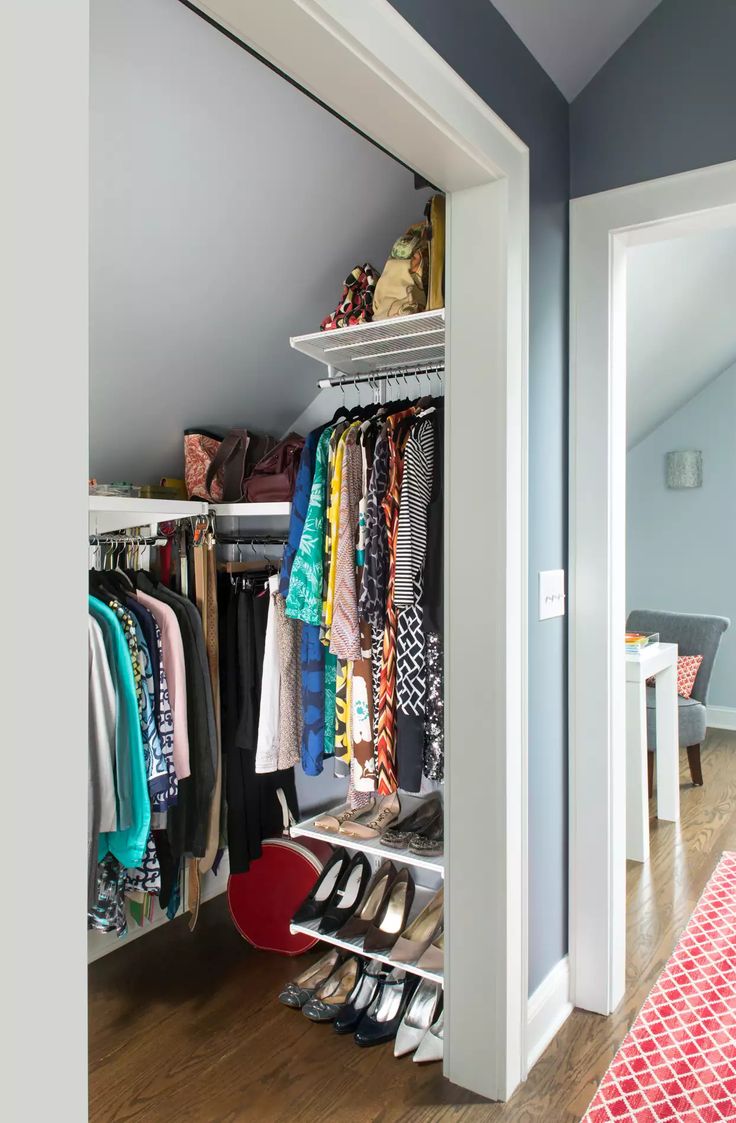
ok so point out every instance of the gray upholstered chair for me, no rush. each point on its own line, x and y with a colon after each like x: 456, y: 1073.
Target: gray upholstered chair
x: 694, y: 635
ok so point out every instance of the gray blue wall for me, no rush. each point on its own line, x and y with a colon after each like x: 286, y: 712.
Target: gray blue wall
x: 664, y: 103
x: 482, y: 48
x: 681, y: 545
x: 207, y: 249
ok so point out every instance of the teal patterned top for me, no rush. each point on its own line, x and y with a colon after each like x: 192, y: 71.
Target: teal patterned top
x: 304, y: 601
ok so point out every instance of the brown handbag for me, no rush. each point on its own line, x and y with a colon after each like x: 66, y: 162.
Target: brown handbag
x: 274, y: 476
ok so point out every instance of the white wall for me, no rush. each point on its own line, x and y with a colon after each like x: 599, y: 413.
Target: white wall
x: 681, y: 545
x: 226, y: 210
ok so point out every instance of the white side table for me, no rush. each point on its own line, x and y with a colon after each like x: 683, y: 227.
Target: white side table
x: 659, y: 660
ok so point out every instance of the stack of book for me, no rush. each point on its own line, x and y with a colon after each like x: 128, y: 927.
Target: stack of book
x: 637, y: 641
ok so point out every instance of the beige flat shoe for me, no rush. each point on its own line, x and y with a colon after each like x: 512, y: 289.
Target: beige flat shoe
x: 347, y: 815
x: 424, y: 928
x: 383, y: 815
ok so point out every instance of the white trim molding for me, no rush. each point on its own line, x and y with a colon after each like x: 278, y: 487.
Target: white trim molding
x: 415, y: 105
x: 602, y: 227
x: 548, y: 1009
x: 721, y: 717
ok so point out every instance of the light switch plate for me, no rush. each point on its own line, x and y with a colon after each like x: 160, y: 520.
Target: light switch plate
x: 551, y: 593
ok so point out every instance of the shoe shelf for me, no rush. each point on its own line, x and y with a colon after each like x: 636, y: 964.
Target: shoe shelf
x: 421, y: 898
x: 400, y: 341
x: 373, y: 846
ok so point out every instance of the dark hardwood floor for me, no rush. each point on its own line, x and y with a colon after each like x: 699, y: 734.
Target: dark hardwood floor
x: 186, y: 1027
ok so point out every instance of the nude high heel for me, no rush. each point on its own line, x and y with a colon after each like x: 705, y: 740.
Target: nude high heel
x: 423, y: 929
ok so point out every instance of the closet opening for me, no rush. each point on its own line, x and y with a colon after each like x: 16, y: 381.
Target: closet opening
x: 290, y: 398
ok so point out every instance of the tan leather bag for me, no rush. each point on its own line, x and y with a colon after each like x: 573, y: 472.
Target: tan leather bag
x: 402, y: 287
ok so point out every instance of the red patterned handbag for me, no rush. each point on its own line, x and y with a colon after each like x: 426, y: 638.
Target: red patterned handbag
x: 200, y: 449
x: 216, y: 468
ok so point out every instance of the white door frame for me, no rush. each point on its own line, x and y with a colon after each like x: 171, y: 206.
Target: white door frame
x: 418, y: 108
x: 414, y: 105
x: 602, y: 227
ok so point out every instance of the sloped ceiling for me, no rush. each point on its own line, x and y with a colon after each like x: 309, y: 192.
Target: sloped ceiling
x: 572, y: 39
x: 226, y: 210
x: 681, y: 298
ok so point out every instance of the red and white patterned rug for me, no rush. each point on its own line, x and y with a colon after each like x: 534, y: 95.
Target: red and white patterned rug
x: 677, y: 1063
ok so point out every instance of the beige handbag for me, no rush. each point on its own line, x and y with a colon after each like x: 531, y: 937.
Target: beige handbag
x: 402, y: 287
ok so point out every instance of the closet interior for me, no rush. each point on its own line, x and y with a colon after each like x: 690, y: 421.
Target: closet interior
x: 266, y: 613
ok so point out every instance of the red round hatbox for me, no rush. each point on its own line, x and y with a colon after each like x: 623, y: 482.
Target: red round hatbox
x: 263, y: 900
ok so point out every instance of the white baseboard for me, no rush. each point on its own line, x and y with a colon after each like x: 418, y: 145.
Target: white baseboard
x: 721, y: 717
x: 548, y: 1009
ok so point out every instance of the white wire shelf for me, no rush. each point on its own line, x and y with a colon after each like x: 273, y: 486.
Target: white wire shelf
x: 402, y: 341
x: 374, y: 847
x: 109, y: 513
x: 421, y: 898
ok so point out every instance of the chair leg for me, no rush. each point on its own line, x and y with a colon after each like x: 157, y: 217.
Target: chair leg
x: 693, y: 759
x: 650, y: 773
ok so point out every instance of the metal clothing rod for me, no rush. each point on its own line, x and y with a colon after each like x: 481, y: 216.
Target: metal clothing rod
x: 126, y: 540
x: 257, y: 540
x: 381, y: 375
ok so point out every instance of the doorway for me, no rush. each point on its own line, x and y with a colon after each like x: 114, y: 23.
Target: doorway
x: 606, y: 230
x: 414, y: 106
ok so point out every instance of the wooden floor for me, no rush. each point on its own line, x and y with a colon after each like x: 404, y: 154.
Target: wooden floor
x: 187, y: 1027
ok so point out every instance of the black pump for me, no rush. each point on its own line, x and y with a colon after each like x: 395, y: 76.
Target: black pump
x: 314, y: 904
x: 347, y: 895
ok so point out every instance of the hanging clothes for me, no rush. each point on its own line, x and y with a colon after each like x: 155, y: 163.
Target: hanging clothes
x: 188, y: 821
x: 375, y: 507
x: 386, y: 744
x: 267, y: 747
x: 411, y: 547
x: 127, y: 843
x: 102, y: 717
x: 253, y: 809
x: 304, y: 600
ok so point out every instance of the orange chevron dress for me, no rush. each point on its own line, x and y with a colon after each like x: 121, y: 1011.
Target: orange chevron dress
x: 386, y: 729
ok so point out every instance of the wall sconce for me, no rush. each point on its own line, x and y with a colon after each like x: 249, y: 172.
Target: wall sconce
x: 685, y: 469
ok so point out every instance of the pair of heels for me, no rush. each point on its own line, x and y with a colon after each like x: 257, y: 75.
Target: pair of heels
x: 422, y: 832
x: 344, y: 901
x: 376, y: 818
x: 381, y: 921
x: 337, y: 892
x: 322, y: 990
x: 375, y: 1007
x: 422, y: 1028
x: 394, y: 1006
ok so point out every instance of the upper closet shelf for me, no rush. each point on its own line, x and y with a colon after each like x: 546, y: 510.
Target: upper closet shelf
x: 255, y: 518
x: 108, y: 513
x: 402, y: 341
